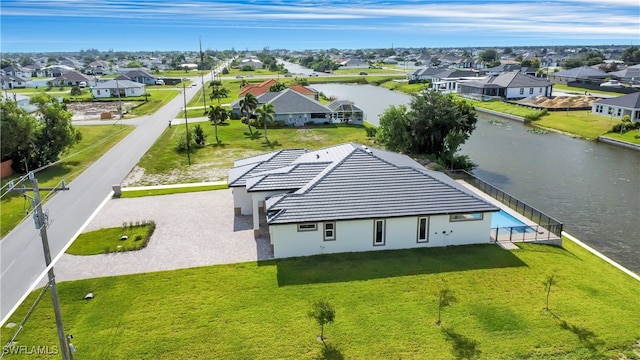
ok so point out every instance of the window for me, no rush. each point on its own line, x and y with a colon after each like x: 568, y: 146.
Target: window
x: 466, y: 217
x: 521, y: 91
x: 530, y: 90
x: 378, y: 232
x: 307, y: 227
x: 540, y: 90
x: 329, y: 231
x: 423, y: 229
x: 619, y: 112
x: 598, y: 108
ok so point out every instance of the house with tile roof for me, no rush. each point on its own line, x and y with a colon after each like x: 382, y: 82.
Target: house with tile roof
x: 115, y: 88
x: 513, y: 85
x: 350, y: 198
x: 292, y: 108
x: 583, y: 74
x: 141, y: 76
x: 12, y: 82
x: 71, y: 78
x: 617, y: 107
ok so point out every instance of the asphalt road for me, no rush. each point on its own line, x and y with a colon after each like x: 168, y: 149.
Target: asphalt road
x: 22, y: 263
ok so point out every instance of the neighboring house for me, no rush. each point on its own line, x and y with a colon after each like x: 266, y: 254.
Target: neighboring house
x: 252, y: 61
x: 22, y: 101
x: 513, y: 85
x: 257, y: 89
x: 117, y: 88
x: 12, y: 82
x: 98, y: 67
x: 263, y: 87
x: 618, y: 107
x: 447, y: 81
x: 16, y: 70
x: 141, y: 76
x: 292, y: 108
x: 350, y: 198
x: 344, y: 111
x: 583, y: 74
x: 425, y: 74
x: 353, y: 63
x: 630, y: 74
x: 55, y: 71
x: 71, y: 78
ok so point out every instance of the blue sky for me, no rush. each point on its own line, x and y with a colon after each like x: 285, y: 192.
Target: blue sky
x: 130, y: 25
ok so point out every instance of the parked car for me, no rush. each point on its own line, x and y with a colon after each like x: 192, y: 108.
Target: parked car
x: 363, y: 73
x: 249, y: 75
x: 238, y: 76
x: 194, y: 84
x: 288, y: 75
x: 313, y: 74
x: 159, y: 82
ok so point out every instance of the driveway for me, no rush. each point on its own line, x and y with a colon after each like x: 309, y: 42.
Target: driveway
x: 192, y: 229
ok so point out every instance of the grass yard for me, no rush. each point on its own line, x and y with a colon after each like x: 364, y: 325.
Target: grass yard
x: 96, y: 140
x: 158, y: 98
x: 632, y: 136
x: 171, y: 190
x: 582, y: 123
x: 578, y: 90
x: 385, y: 308
x: 110, y: 240
x: 405, y: 87
x: 502, y: 107
x: 162, y: 164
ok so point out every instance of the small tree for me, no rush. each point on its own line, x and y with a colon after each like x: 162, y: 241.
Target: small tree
x: 266, y: 115
x: 199, y: 135
x: 548, y: 282
x: 323, y: 313
x: 445, y: 298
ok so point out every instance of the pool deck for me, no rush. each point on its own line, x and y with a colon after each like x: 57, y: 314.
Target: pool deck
x: 507, y: 240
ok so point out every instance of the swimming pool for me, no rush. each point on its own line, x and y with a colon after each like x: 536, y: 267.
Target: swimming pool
x: 502, y: 219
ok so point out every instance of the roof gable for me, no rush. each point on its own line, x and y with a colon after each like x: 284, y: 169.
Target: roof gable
x: 292, y: 102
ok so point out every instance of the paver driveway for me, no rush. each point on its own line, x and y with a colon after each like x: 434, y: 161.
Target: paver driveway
x: 192, y: 229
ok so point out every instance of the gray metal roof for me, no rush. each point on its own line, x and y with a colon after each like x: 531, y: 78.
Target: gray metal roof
x: 245, y: 168
x: 113, y: 84
x: 630, y: 101
x: 364, y: 185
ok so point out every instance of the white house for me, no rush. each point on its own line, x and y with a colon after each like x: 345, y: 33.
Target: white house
x: 349, y: 198
x: 617, y: 107
x: 115, y: 88
x: 513, y: 85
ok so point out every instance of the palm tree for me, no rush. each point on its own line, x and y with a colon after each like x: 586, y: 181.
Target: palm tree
x: 217, y: 114
x: 266, y: 114
x: 218, y: 91
x: 247, y: 106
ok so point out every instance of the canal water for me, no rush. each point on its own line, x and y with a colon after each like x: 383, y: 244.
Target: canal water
x: 593, y: 188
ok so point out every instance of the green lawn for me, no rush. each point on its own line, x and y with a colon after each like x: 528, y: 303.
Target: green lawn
x: 582, y: 123
x: 503, y: 107
x: 171, y: 190
x: 236, y: 143
x: 111, y: 240
x: 385, y: 308
x: 582, y: 90
x: 96, y: 140
x: 632, y: 136
x: 157, y: 99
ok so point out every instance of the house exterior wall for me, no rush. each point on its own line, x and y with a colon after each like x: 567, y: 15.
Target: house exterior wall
x: 615, y: 112
x: 515, y: 93
x: 137, y: 91
x: 242, y: 200
x: 358, y: 235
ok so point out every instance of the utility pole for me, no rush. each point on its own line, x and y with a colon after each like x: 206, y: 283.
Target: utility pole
x: 204, y: 90
x: 41, y: 224
x: 186, y: 123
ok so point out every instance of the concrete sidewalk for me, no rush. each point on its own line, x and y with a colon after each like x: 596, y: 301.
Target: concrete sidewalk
x: 192, y: 229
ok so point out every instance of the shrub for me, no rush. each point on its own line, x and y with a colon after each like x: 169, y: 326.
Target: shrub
x: 181, y: 144
x: 200, y: 137
x: 371, y: 131
x: 535, y: 116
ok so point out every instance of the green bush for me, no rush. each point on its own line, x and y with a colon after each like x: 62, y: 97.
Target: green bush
x: 371, y: 131
x: 535, y: 116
